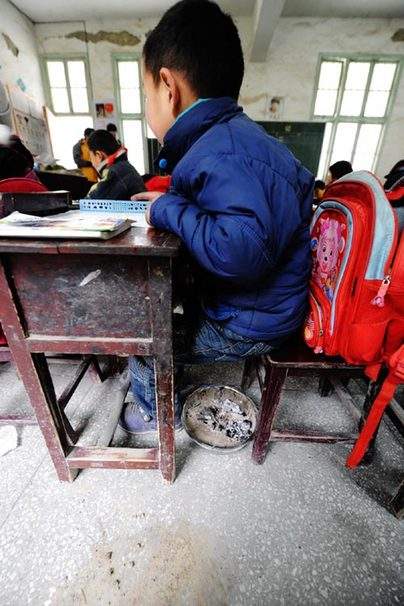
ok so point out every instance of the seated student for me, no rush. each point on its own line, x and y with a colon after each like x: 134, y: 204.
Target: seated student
x: 81, y: 156
x: 119, y: 179
x: 239, y: 200
x: 16, y: 160
x: 319, y: 189
x: 337, y: 170
x: 394, y: 185
x: 111, y: 128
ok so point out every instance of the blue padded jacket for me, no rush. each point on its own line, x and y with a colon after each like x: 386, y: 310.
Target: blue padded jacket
x: 241, y: 203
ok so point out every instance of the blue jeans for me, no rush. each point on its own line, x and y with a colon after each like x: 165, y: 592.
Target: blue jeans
x: 209, y: 341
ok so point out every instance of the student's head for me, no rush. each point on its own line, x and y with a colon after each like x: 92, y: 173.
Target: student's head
x: 111, y: 128
x: 15, y: 159
x: 101, y: 145
x: 87, y: 133
x: 17, y: 145
x: 319, y: 188
x: 338, y: 170
x: 395, y: 175
x: 194, y: 52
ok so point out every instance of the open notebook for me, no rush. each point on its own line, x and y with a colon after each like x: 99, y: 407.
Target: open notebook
x: 67, y: 225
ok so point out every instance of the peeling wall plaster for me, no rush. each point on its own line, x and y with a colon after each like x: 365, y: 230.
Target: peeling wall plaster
x: 19, y: 64
x: 122, y: 38
x: 10, y: 45
x: 398, y: 36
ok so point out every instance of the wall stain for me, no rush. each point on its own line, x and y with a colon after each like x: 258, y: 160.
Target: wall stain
x: 254, y: 99
x: 10, y: 45
x: 398, y: 36
x: 122, y: 38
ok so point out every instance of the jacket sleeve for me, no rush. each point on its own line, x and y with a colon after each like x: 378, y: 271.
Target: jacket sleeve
x: 106, y: 189
x: 77, y: 156
x: 227, y: 225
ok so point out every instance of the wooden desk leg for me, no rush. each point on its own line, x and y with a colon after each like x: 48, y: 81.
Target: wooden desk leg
x: 160, y: 292
x: 34, y: 373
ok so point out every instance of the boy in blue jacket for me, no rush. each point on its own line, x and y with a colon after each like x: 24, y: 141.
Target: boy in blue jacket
x: 239, y: 200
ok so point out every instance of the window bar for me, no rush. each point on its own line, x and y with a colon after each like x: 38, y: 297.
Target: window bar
x: 68, y: 85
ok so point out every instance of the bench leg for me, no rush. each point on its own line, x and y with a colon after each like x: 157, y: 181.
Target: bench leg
x: 271, y: 393
x: 397, y: 502
x: 371, y: 394
x: 325, y: 387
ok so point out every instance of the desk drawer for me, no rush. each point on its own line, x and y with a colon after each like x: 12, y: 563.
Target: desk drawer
x: 83, y: 295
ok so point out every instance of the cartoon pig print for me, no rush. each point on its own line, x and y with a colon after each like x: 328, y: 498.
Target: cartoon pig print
x: 329, y: 245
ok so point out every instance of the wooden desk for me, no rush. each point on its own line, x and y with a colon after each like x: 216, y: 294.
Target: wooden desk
x: 91, y: 297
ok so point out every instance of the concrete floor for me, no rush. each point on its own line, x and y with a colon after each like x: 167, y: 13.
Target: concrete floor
x: 301, y: 529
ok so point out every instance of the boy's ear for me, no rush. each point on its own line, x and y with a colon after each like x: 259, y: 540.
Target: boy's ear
x: 169, y: 82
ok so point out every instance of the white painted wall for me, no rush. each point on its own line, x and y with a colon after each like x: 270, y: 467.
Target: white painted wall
x: 25, y: 66
x: 289, y: 71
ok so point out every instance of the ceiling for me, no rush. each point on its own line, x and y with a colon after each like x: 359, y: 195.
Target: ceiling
x: 60, y: 10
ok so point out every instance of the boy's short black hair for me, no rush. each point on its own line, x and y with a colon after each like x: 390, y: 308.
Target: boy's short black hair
x: 88, y: 132
x: 340, y: 169
x: 102, y: 140
x: 196, y: 38
x: 319, y: 184
x: 111, y: 127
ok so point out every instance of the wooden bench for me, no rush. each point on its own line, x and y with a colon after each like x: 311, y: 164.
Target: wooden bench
x: 295, y: 359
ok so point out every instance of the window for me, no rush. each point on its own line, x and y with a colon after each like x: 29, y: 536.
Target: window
x: 131, y: 114
x: 66, y: 84
x: 353, y: 95
x: 66, y: 81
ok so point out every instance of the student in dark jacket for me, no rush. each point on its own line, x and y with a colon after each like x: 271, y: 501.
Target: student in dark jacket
x: 119, y: 180
x: 239, y: 200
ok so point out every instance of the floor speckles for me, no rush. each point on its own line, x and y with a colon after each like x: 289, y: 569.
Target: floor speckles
x: 301, y: 529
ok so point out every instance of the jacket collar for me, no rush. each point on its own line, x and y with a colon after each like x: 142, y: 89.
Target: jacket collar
x: 191, y: 125
x: 118, y: 155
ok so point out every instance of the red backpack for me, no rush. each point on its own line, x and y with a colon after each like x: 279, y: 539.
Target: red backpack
x: 357, y: 287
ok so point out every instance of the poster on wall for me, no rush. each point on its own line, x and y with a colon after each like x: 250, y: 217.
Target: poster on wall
x: 276, y: 106
x: 105, y: 112
x: 30, y: 124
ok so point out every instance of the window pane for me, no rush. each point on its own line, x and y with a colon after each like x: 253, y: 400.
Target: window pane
x: 352, y: 102
x: 330, y: 74
x: 77, y: 74
x: 130, y: 101
x: 383, y: 76
x: 366, y: 147
x: 354, y: 92
x: 376, y: 104
x: 128, y: 74
x: 65, y: 131
x: 79, y: 100
x: 60, y: 100
x: 344, y: 142
x: 56, y: 73
x: 325, y: 102
x: 133, y: 139
x: 357, y: 75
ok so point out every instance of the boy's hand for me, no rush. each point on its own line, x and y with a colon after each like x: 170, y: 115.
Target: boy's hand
x: 150, y: 196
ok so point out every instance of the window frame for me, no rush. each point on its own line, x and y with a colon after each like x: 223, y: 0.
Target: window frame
x: 45, y: 78
x: 336, y: 119
x: 116, y: 57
